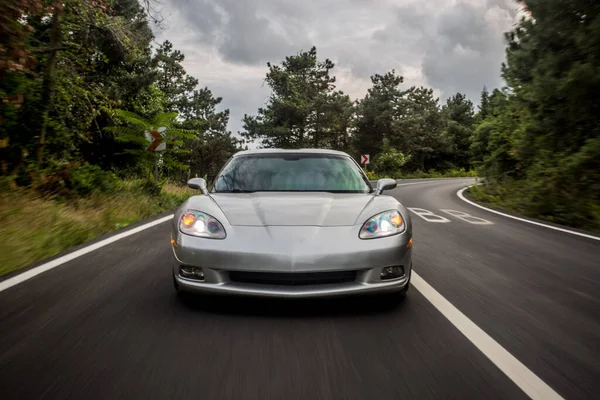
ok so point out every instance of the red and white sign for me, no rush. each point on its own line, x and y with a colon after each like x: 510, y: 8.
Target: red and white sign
x: 364, y: 159
x: 156, y: 139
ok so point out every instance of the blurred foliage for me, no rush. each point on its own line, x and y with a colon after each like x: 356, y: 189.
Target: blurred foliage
x: 90, y: 178
x: 59, y: 225
x: 74, y: 71
x: 537, y: 141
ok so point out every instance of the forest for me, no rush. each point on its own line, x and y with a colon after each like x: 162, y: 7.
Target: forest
x: 81, y: 81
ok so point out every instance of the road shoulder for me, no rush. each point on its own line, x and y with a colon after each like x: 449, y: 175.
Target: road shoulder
x: 465, y: 195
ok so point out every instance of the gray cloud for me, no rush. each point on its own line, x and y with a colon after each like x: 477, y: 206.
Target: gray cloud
x: 469, y: 48
x: 451, y: 46
x: 246, y: 31
x: 460, y: 48
x: 240, y: 99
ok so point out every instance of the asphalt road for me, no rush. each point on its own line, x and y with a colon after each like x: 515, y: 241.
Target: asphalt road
x: 107, y: 325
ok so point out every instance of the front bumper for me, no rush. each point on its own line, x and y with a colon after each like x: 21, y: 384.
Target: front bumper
x: 292, y: 250
x: 324, y: 290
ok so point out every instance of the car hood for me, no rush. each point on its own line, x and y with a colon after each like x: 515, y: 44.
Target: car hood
x: 292, y: 209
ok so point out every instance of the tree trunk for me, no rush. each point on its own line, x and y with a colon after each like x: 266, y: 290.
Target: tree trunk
x: 317, y: 134
x: 49, y: 81
x: 300, y: 143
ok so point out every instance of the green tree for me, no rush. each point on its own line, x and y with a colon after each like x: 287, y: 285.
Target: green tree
x: 173, y: 80
x: 493, y: 139
x: 330, y: 122
x: 80, y: 84
x: 211, y: 145
x: 293, y: 117
x: 460, y: 118
x: 376, y: 114
x: 77, y: 52
x: 132, y: 128
x: 484, y: 104
x: 543, y: 147
x: 420, y: 128
x: 488, y: 132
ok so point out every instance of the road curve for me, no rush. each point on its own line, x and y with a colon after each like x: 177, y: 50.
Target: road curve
x: 107, y: 325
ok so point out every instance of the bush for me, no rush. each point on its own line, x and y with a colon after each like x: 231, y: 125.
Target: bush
x: 524, y: 197
x: 90, y: 178
x: 481, y: 194
x: 372, y: 175
x: 150, y: 187
x: 390, y: 161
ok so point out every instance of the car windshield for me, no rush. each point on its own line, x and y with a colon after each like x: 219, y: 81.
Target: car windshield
x: 292, y: 173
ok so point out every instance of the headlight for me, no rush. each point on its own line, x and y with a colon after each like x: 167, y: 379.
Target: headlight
x: 387, y: 223
x: 197, y: 223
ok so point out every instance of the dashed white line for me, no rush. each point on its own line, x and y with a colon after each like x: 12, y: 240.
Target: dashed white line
x: 462, y: 197
x: 522, y: 376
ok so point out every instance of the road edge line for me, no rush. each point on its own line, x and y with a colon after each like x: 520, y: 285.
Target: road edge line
x: 515, y: 370
x: 26, y: 275
x: 460, y: 194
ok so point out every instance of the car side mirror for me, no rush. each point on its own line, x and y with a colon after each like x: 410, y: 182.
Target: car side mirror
x: 198, y: 183
x: 385, y: 184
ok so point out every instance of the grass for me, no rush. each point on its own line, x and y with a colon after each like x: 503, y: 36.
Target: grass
x: 34, y: 227
x: 511, y: 200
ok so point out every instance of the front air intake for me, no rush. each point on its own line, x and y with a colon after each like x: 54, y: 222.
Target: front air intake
x: 292, y: 278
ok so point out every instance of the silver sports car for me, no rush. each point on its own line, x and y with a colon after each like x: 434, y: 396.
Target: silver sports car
x: 292, y: 223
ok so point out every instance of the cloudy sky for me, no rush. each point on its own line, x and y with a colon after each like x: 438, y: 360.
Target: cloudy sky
x: 448, y: 45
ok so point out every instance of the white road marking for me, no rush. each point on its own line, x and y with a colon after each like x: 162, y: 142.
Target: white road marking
x: 467, y: 217
x: 462, y: 197
x: 15, y: 280
x: 428, y: 215
x: 522, y: 376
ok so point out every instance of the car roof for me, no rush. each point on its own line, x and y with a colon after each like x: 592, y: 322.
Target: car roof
x: 292, y: 151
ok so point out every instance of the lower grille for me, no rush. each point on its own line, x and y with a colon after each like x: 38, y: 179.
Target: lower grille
x: 292, y: 278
